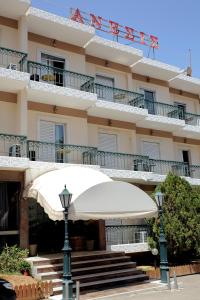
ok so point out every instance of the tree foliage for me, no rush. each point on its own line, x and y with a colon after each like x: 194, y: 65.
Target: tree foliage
x: 181, y: 217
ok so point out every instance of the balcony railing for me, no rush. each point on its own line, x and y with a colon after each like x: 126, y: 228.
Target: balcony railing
x: 112, y: 94
x: 161, y: 109
x: 126, y: 234
x: 60, y: 153
x: 19, y: 146
x: 57, y: 76
x: 113, y: 160
x: 12, y: 59
x: 12, y: 145
x: 192, y: 119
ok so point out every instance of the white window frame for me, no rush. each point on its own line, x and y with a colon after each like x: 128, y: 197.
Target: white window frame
x: 55, y: 120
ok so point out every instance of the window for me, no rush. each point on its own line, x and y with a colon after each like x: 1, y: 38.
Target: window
x: 149, y: 97
x: 53, y: 134
x: 54, y: 74
x: 107, y: 142
x: 151, y: 149
x: 104, y: 87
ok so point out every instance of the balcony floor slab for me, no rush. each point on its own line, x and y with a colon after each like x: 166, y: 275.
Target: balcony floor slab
x: 117, y: 111
x: 162, y: 123
x: 13, y: 81
x: 60, y: 96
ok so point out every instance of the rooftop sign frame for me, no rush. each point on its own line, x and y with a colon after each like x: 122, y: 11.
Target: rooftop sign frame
x: 115, y: 29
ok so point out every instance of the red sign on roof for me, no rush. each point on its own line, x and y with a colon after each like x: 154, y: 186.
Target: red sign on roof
x: 114, y: 28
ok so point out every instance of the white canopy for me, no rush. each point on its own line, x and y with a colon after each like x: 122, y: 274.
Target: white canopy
x: 95, y: 195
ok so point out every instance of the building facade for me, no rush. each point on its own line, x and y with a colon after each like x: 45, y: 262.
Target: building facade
x: 68, y: 96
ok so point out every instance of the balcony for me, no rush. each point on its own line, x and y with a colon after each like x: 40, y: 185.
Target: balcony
x: 132, y: 162
x: 12, y: 145
x: 113, y: 94
x: 12, y: 59
x: 18, y: 146
x: 12, y: 68
x: 58, y: 87
x: 56, y: 76
x: 60, y: 153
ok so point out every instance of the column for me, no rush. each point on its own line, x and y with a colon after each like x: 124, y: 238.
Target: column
x: 24, y: 223
x: 102, y: 235
x: 22, y: 113
x: 23, y: 34
x: 129, y: 82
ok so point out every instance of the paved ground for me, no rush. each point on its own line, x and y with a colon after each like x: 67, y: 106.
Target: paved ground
x: 189, y: 289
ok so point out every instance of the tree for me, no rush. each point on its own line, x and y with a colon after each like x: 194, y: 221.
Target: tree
x: 181, y: 217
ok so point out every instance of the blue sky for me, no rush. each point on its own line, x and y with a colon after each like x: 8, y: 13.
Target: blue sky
x: 175, y: 22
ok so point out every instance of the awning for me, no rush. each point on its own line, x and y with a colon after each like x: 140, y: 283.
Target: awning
x: 95, y: 195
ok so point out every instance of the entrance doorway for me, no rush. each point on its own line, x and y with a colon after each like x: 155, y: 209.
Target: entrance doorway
x: 49, y: 235
x: 9, y: 213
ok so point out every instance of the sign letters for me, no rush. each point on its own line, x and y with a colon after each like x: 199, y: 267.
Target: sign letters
x: 114, y: 28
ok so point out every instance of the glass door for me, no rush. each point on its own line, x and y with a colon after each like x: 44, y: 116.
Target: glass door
x: 104, y: 87
x: 54, y: 72
x: 52, y: 141
x: 9, y: 213
x: 149, y: 97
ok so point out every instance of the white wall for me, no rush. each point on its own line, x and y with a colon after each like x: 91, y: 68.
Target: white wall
x: 76, y: 128
x: 74, y: 62
x: 8, y: 118
x: 8, y: 37
x: 125, y: 140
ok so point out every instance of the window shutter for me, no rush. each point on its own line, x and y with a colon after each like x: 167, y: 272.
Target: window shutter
x: 151, y: 149
x: 105, y: 80
x: 47, y: 131
x: 107, y: 142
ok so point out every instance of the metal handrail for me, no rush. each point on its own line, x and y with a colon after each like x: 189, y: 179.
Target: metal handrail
x: 57, y: 76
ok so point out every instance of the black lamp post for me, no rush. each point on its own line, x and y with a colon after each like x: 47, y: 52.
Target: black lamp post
x: 164, y: 268
x: 65, y: 199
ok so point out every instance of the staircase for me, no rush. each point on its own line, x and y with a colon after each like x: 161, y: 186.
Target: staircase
x: 94, y: 270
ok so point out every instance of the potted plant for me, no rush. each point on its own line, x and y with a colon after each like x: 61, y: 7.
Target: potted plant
x: 25, y: 268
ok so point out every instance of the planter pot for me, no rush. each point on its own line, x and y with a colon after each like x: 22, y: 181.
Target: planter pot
x: 25, y: 272
x: 76, y: 243
x: 90, y: 245
x: 33, y: 249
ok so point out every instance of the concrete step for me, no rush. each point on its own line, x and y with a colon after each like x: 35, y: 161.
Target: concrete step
x: 99, y: 276
x: 82, y: 264
x: 107, y: 283
x: 58, y: 258
x: 89, y: 270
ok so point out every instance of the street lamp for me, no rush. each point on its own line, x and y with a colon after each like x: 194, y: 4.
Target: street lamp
x: 164, y: 268
x: 65, y: 199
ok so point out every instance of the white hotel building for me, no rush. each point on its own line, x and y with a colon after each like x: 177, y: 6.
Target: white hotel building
x: 68, y: 96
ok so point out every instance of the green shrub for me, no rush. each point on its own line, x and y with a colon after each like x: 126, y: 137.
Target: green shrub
x: 11, y: 258
x: 25, y: 266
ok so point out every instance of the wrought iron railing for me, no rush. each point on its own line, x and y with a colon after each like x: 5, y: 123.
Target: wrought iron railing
x: 160, y: 108
x: 163, y: 167
x: 192, y: 119
x: 126, y: 234
x: 12, y: 59
x: 12, y: 145
x: 114, y: 160
x: 112, y: 94
x: 51, y: 152
x: 57, y: 76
